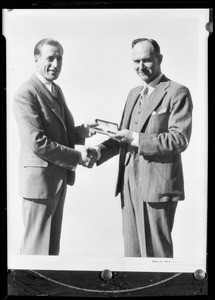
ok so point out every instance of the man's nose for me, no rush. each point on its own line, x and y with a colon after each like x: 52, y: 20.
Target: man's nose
x: 141, y: 65
x: 55, y: 63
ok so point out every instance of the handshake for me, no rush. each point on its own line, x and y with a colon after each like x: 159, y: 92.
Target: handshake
x: 88, y: 156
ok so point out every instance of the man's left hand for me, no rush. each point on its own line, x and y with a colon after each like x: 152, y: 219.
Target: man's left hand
x: 86, y: 129
x: 124, y: 135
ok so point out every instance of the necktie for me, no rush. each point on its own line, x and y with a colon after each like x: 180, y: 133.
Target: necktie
x: 143, y: 94
x: 54, y: 90
x: 56, y: 94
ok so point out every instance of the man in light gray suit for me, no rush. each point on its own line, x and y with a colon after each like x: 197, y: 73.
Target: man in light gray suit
x: 154, y: 130
x: 47, y: 158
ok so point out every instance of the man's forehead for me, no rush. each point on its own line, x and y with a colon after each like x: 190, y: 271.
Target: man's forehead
x: 48, y: 49
x: 143, y: 48
x: 144, y: 45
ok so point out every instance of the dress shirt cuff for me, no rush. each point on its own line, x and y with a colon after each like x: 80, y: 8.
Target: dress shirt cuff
x: 98, y: 152
x: 135, y: 141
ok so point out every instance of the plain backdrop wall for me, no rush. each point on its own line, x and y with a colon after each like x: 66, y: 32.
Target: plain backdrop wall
x: 96, y: 78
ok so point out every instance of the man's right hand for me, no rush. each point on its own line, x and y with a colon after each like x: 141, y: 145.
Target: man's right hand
x: 88, y: 157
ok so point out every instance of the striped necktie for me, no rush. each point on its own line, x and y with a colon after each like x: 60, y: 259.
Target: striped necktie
x: 56, y: 94
x: 143, y: 94
x: 55, y: 90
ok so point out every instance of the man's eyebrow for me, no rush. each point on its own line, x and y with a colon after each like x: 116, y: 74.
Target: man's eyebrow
x: 144, y: 59
x: 52, y: 56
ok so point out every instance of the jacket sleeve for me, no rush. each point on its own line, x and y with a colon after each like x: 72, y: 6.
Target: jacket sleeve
x: 109, y: 149
x: 79, y: 140
x: 176, y: 137
x: 31, y: 128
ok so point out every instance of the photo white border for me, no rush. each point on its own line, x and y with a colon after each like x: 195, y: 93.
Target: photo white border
x: 67, y: 262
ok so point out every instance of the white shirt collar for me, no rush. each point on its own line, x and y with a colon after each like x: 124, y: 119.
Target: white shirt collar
x: 152, y: 85
x: 48, y: 84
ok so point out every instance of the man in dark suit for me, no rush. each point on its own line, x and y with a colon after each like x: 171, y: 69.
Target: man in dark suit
x: 154, y: 130
x: 47, y: 158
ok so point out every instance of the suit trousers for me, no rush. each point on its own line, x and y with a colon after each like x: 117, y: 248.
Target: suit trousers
x: 42, y: 224
x: 147, y: 226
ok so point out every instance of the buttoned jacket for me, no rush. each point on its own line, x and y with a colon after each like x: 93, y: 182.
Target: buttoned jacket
x: 47, y: 156
x: 164, y: 133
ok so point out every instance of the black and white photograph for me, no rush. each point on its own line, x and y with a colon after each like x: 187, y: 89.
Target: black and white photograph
x: 107, y: 139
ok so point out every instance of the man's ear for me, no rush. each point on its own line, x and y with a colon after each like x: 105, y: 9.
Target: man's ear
x: 160, y: 57
x: 36, y: 58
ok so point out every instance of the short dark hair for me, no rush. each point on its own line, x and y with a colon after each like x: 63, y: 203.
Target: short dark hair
x: 46, y: 41
x: 151, y: 41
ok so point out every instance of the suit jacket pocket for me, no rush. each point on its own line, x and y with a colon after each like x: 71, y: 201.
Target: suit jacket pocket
x: 158, y: 123
x: 169, y: 178
x: 34, y: 162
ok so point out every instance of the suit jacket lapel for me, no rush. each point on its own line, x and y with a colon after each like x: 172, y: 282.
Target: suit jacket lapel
x: 46, y: 96
x: 153, y: 101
